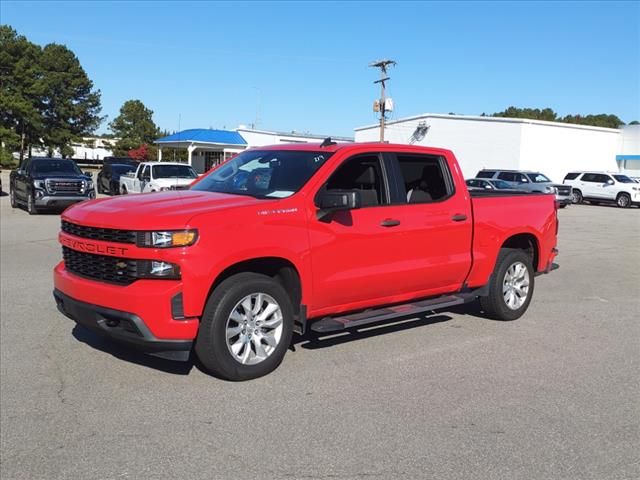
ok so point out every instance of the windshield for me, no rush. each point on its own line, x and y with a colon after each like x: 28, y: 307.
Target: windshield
x: 501, y: 184
x: 173, y: 171
x: 264, y: 174
x: 122, y: 168
x: 538, y: 178
x: 623, y: 179
x: 55, y: 166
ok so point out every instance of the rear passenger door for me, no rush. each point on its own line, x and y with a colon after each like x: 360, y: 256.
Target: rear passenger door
x: 588, y: 186
x: 435, y: 223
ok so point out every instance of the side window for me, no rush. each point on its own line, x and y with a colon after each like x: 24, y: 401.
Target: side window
x: 26, y: 166
x: 485, y: 174
x: 588, y: 177
x: 425, y: 178
x: 520, y: 178
x: 507, y: 176
x: 571, y: 176
x: 146, y: 173
x: 603, y: 178
x: 364, y: 174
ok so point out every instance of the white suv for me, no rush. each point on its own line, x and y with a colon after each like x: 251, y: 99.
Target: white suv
x: 604, y: 187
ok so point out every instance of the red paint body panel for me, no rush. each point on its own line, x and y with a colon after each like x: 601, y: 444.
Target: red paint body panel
x: 347, y: 264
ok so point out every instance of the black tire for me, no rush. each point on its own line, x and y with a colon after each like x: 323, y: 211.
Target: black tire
x: 576, y: 196
x: 623, y: 200
x: 99, y: 186
x: 494, y: 304
x: 114, y: 189
x: 211, y: 343
x: 123, y: 190
x: 31, y: 206
x: 12, y: 198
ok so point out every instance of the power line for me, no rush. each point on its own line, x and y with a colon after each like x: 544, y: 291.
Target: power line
x: 382, y: 65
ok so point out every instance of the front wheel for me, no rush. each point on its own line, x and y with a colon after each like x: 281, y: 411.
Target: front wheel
x: 623, y: 200
x: 246, y: 327
x: 510, y: 286
x: 31, y: 206
x: 12, y: 197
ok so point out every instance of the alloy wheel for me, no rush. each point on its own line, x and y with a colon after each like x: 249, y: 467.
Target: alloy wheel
x: 515, y: 285
x: 254, y: 328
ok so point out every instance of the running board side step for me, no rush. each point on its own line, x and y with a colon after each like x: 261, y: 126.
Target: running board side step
x: 344, y: 322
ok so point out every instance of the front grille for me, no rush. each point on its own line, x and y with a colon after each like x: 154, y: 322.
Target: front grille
x: 104, y: 234
x: 121, y: 271
x: 64, y: 186
x: 564, y: 189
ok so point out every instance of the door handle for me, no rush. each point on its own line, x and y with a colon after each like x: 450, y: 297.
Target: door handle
x: 459, y: 217
x: 390, y: 222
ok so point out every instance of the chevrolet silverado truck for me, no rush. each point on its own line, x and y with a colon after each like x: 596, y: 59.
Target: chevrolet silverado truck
x: 292, y: 238
x: 157, y: 177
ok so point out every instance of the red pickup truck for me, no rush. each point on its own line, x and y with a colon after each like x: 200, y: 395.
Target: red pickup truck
x: 293, y: 237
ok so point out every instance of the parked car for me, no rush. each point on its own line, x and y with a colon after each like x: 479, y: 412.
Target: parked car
x: 157, y: 177
x: 531, y: 182
x: 488, y: 184
x: 108, y: 180
x: 340, y: 236
x: 603, y: 187
x: 49, y: 183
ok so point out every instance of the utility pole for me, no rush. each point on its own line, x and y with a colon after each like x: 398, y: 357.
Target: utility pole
x: 382, y: 65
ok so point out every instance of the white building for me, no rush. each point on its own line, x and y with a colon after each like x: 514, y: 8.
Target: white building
x: 628, y: 156
x: 489, y: 142
x: 90, y: 148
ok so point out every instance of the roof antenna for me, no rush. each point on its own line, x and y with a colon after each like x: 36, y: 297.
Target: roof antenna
x: 327, y: 142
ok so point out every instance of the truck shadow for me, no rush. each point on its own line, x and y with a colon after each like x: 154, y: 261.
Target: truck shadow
x: 313, y: 341
x: 105, y: 345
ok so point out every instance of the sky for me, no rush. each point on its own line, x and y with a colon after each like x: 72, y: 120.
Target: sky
x: 303, y: 66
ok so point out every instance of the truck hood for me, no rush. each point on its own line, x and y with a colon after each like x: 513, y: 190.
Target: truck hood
x: 154, y: 211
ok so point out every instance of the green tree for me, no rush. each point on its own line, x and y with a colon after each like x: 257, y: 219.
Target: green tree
x: 547, y: 114
x: 634, y: 122
x: 71, y: 106
x: 21, y: 88
x: 133, y: 127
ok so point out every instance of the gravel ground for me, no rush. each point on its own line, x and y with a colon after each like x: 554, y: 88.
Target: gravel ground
x: 554, y: 395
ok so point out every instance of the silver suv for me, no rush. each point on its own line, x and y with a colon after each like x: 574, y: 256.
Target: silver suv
x: 531, y: 182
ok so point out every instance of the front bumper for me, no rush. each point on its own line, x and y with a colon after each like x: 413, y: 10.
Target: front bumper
x: 564, y: 200
x: 50, y: 201
x: 139, y: 315
x: 122, y: 327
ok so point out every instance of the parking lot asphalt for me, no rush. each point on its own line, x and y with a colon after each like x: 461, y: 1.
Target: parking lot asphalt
x: 554, y: 395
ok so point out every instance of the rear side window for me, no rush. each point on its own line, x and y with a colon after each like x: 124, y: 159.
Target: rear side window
x: 589, y: 177
x: 425, y: 178
x: 508, y: 176
x: 486, y: 174
x: 571, y: 176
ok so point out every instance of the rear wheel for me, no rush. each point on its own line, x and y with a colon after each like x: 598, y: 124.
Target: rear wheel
x: 510, y: 287
x: 12, y: 197
x: 246, y: 327
x: 576, y: 196
x: 623, y: 200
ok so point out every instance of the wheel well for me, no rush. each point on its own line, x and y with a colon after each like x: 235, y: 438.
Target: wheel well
x: 526, y: 242
x: 281, y: 270
x: 622, y: 193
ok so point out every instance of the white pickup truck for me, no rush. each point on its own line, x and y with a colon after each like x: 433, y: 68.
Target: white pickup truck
x: 157, y: 177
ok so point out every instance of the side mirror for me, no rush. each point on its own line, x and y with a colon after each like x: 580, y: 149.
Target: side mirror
x: 338, y: 200
x: 609, y: 182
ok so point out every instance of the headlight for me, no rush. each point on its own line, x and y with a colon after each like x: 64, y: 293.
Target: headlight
x: 157, y: 269
x: 38, y: 184
x: 88, y: 184
x: 172, y: 238
x: 552, y: 189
